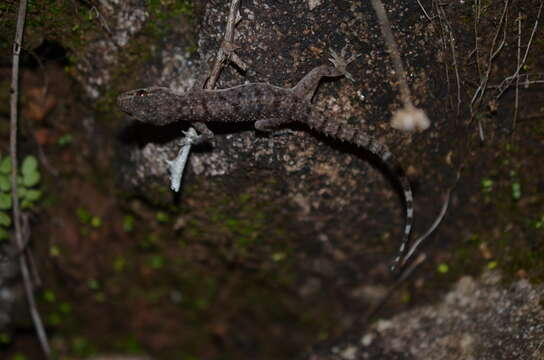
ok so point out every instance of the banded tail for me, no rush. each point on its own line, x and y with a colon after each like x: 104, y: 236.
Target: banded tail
x: 318, y: 122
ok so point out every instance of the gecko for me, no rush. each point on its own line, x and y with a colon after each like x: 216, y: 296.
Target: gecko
x: 268, y: 106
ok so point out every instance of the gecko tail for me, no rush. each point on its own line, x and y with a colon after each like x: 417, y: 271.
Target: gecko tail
x: 409, y: 205
x: 394, y: 165
x: 335, y: 130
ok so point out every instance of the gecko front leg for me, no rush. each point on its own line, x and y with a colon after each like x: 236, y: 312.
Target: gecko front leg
x: 303, y: 92
x: 307, y: 87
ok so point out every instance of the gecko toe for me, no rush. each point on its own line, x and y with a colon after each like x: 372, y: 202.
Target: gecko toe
x: 340, y: 63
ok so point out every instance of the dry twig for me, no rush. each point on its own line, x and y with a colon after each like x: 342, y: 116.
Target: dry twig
x: 373, y: 310
x: 443, y: 31
x: 424, y: 11
x: 478, y: 7
x: 447, y: 29
x: 525, y: 81
x: 480, y: 91
x: 435, y: 224
x: 511, y: 78
x: 19, y: 241
x: 516, y: 101
x: 408, y: 118
x: 226, y: 51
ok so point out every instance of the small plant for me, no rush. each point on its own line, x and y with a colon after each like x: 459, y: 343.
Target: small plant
x: 128, y: 223
x: 86, y: 218
x: 65, y: 140
x: 28, y: 192
x: 443, y: 268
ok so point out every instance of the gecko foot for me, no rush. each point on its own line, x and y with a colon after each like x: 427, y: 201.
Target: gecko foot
x: 340, y: 63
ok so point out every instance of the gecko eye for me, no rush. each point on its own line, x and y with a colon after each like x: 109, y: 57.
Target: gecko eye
x: 141, y: 93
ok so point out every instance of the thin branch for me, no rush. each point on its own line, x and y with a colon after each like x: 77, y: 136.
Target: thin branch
x: 435, y: 224
x: 19, y: 241
x: 409, y: 118
x: 454, y: 57
x: 373, y: 310
x: 424, y: 11
x: 478, y: 8
x: 524, y: 81
x: 520, y: 66
x: 480, y: 91
x: 226, y: 51
x: 385, y: 26
x: 535, y: 26
x: 516, y: 101
x: 538, y: 348
x: 445, y: 50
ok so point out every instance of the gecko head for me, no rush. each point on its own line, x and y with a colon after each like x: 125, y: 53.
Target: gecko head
x: 150, y: 105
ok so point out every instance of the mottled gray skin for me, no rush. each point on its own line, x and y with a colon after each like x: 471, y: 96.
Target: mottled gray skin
x: 268, y: 106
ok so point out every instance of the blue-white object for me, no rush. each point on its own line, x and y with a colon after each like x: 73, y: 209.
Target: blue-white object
x: 177, y: 166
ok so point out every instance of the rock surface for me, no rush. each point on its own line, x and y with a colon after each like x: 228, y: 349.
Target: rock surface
x: 479, y: 319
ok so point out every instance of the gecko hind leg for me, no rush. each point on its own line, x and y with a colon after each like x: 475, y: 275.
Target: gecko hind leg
x: 270, y: 125
x: 205, y: 134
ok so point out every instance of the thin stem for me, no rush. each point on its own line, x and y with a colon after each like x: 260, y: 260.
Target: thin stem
x: 38, y: 324
x: 393, y: 52
x: 226, y: 48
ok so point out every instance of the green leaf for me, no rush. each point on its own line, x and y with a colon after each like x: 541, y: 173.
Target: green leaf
x: 443, y: 268
x: 162, y: 216
x: 32, y: 195
x: 4, y: 235
x: 5, y: 165
x: 53, y: 319
x: 21, y: 192
x: 128, y: 223
x: 65, y: 140
x: 54, y: 250
x: 5, y: 338
x: 96, y: 222
x: 30, y: 179
x: 65, y: 308
x: 156, y: 261
x: 5, y: 201
x: 84, y: 215
x: 516, y: 191
x: 5, y: 183
x: 93, y: 284
x: 30, y: 165
x: 5, y: 219
x: 49, y: 296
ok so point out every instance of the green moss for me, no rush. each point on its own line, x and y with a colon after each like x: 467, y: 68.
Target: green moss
x: 82, y: 347
x: 240, y: 258
x: 129, y: 345
x: 163, y: 10
x: 508, y: 236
